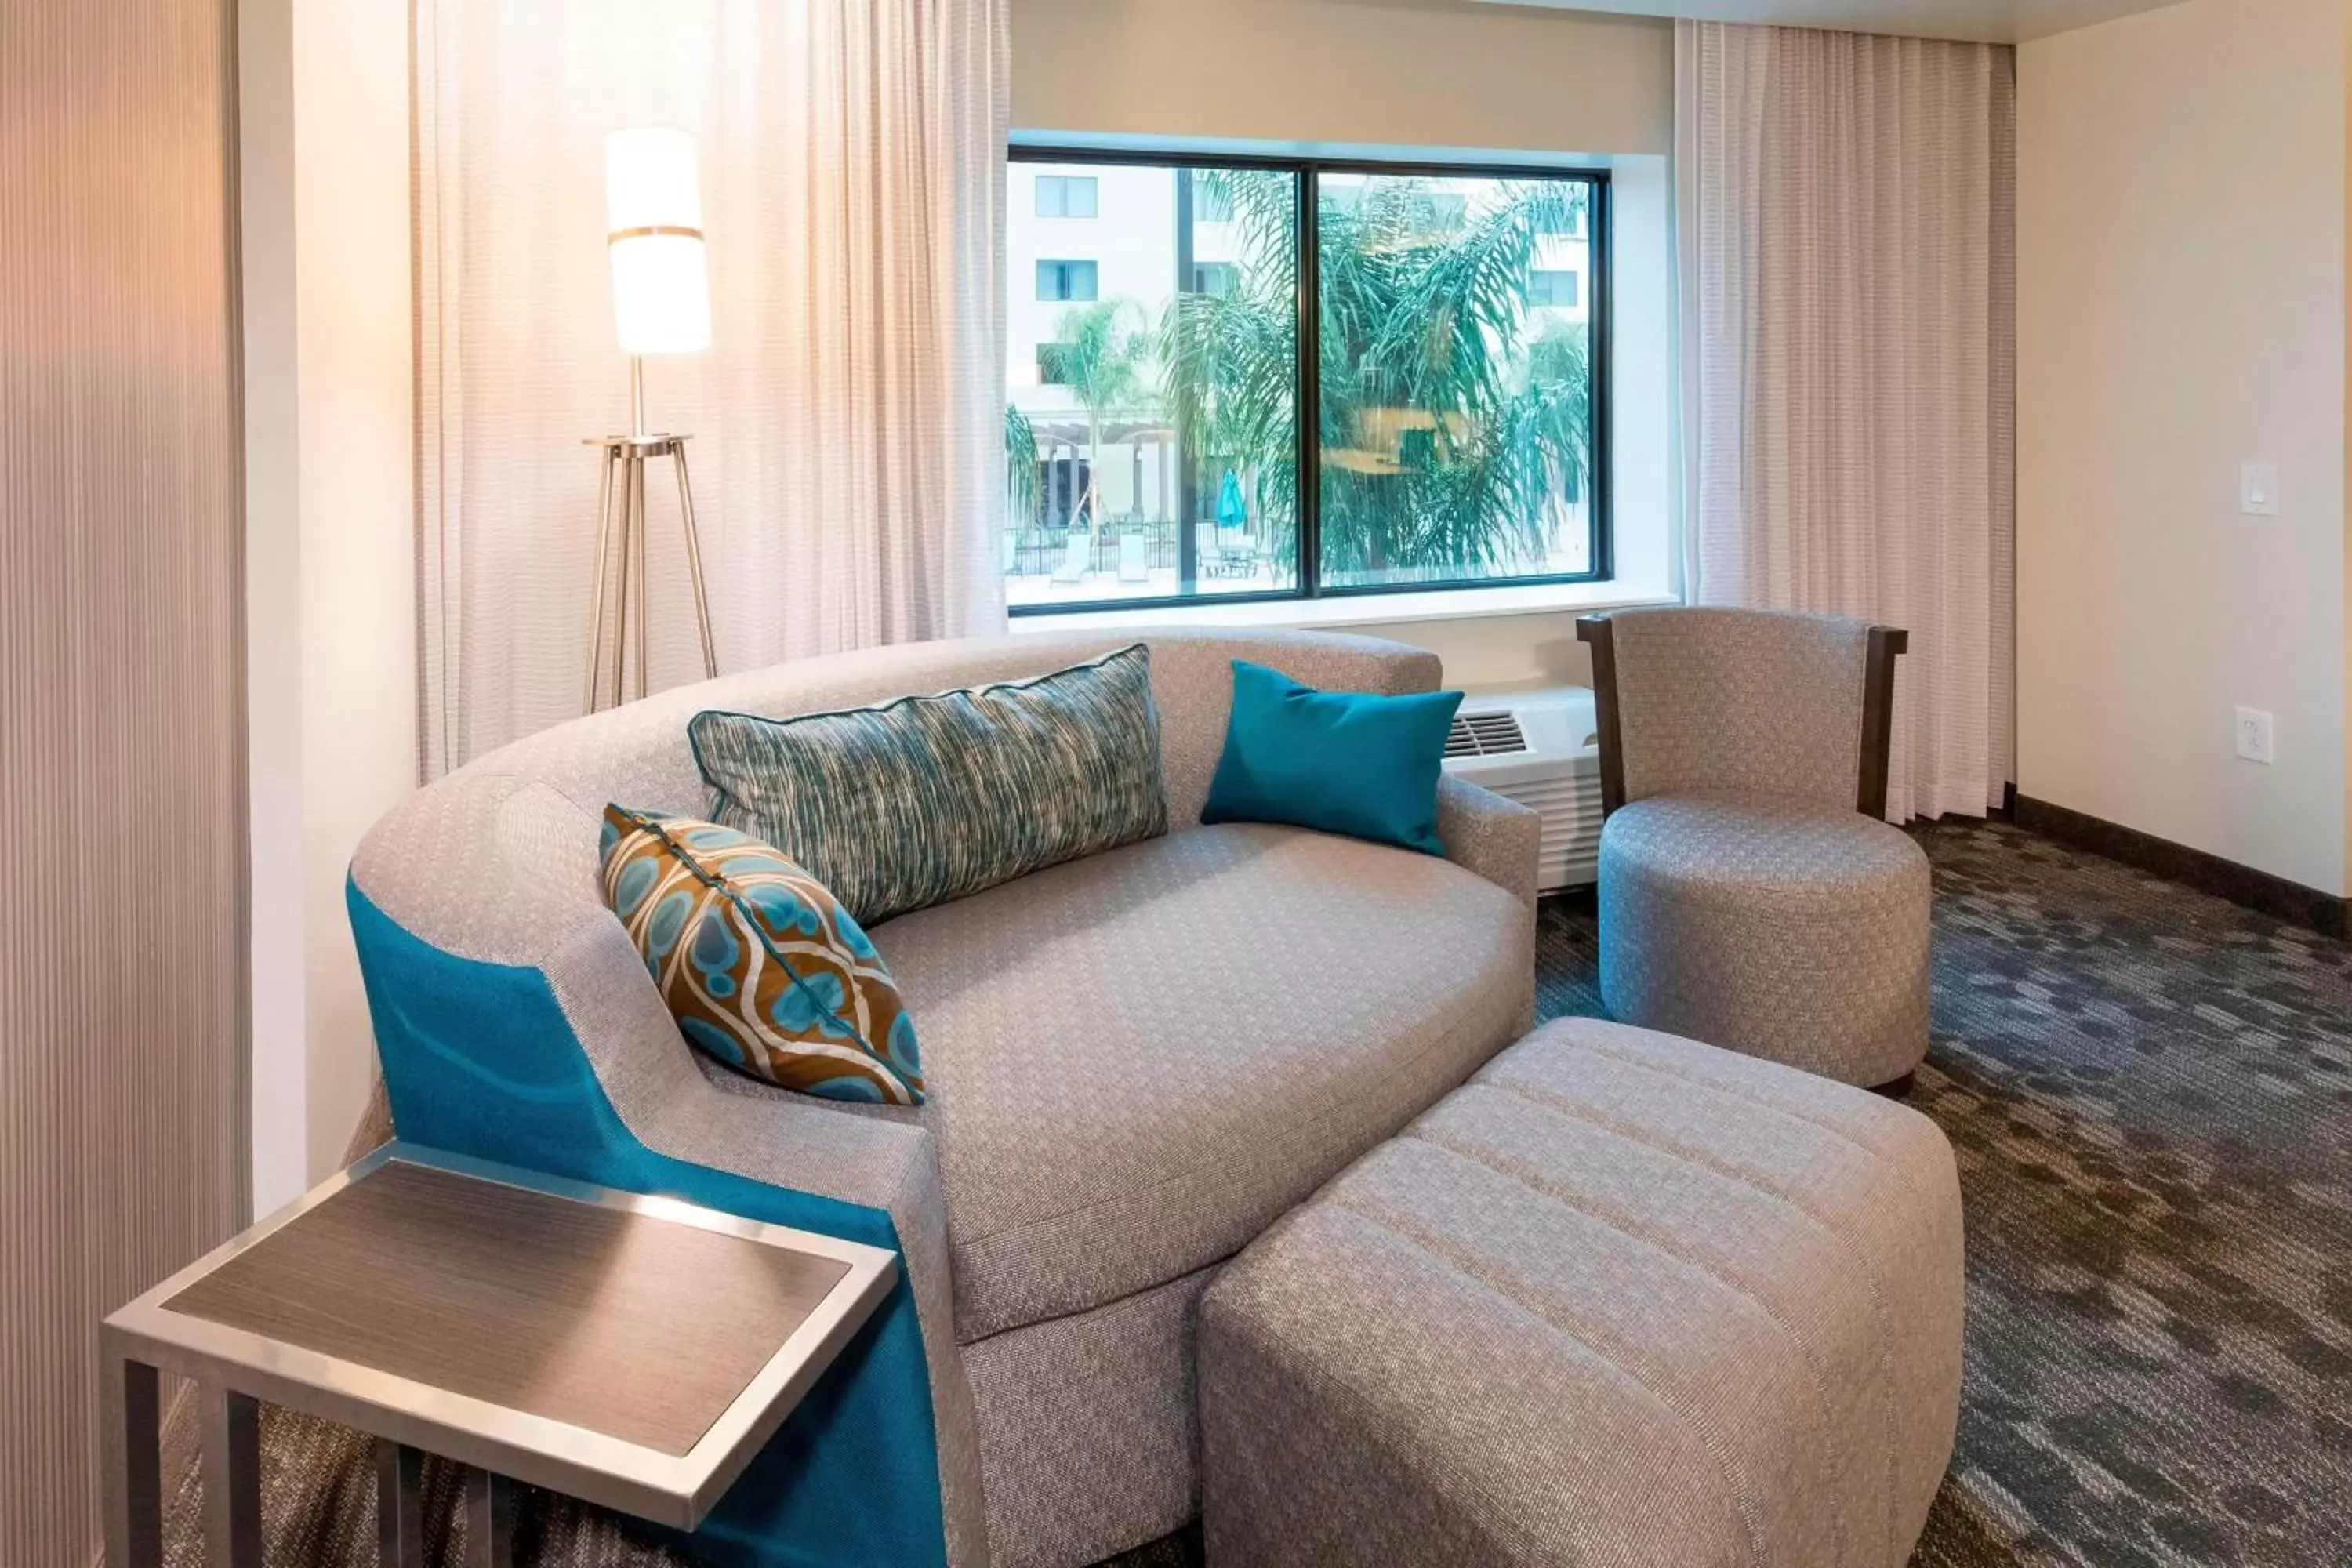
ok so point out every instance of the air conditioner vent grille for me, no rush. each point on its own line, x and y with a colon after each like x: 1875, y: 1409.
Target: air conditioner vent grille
x: 1492, y: 733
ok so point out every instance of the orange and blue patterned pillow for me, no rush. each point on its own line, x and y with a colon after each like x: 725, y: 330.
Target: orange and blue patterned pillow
x: 759, y: 963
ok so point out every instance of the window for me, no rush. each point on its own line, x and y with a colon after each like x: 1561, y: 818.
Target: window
x: 1217, y: 278
x: 1065, y: 280
x: 1454, y: 354
x: 1553, y: 288
x: 1065, y: 195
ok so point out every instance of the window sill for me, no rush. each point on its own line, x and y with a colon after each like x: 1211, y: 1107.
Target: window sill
x: 1365, y: 610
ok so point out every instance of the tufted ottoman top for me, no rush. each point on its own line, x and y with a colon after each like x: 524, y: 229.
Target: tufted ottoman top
x: 1621, y: 1298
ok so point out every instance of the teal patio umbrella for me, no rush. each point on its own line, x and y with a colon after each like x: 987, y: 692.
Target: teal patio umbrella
x: 1231, y: 512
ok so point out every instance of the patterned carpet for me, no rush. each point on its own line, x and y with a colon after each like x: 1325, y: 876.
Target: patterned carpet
x: 2150, y: 1092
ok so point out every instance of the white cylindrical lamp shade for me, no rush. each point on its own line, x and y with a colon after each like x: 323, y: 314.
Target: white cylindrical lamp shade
x: 653, y: 210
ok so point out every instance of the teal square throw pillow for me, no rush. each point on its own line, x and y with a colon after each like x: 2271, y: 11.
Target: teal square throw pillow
x: 760, y: 964
x: 1343, y: 762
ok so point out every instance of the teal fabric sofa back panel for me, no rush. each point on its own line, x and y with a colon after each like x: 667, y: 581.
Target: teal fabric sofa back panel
x: 480, y: 1059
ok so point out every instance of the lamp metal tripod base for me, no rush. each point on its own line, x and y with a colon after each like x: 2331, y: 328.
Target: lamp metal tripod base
x: 616, y: 611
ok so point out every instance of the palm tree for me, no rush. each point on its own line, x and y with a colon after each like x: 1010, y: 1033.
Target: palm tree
x: 1551, y: 415
x: 1022, y: 493
x: 1442, y: 442
x: 1101, y: 352
x: 1447, y: 446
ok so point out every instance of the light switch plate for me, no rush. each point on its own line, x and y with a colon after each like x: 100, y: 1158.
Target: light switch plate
x: 2255, y: 735
x: 2258, y: 489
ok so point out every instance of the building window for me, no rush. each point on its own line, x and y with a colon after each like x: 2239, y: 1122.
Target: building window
x: 1065, y: 195
x: 1554, y: 287
x: 1158, y: 457
x: 1217, y: 278
x: 1567, y: 222
x: 1066, y: 279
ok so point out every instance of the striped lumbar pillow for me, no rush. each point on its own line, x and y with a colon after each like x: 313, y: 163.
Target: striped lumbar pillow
x: 931, y: 798
x: 762, y: 969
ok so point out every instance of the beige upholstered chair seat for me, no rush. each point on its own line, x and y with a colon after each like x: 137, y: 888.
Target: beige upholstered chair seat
x: 1786, y: 859
x: 1136, y: 1062
x: 1778, y: 928
x: 1621, y: 1298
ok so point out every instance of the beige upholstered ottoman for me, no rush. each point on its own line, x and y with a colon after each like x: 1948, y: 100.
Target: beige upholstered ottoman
x: 1623, y: 1298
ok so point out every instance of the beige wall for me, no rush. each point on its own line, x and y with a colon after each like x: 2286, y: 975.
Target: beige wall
x: 358, y: 519
x: 1490, y: 652
x: 1432, y: 73
x: 331, y: 539
x: 2181, y: 234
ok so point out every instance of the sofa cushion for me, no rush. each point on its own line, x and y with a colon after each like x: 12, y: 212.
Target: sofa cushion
x: 760, y: 964
x: 1136, y: 1062
x: 1346, y: 761
x: 931, y: 798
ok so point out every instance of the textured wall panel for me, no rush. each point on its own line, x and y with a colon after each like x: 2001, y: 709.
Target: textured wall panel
x: 121, y: 959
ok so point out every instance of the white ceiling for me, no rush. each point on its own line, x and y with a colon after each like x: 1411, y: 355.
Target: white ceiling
x: 1990, y: 21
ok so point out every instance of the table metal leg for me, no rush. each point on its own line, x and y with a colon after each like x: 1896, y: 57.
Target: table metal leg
x: 489, y: 1520
x: 399, y: 1505
x: 232, y: 1469
x: 132, y: 1465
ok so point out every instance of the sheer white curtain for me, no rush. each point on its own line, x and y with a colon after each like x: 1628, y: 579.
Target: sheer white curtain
x: 1845, y: 228
x: 848, y: 452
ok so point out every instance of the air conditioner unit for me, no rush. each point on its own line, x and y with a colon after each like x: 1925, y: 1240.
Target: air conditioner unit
x: 1541, y: 749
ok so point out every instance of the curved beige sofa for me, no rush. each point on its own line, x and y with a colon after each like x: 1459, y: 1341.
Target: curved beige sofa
x: 1136, y: 1061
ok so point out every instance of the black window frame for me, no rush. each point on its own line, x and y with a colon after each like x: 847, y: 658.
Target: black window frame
x: 1307, y: 585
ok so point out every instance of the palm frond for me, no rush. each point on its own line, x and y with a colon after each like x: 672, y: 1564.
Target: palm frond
x: 1023, y: 492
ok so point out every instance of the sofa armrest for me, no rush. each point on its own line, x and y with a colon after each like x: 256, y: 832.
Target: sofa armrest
x: 1495, y: 837
x: 790, y: 1141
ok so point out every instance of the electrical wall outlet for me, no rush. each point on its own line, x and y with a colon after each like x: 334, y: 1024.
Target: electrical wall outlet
x: 2255, y: 735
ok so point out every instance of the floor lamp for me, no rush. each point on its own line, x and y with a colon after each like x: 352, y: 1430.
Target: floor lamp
x: 661, y: 305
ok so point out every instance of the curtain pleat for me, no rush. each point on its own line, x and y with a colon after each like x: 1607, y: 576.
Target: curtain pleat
x: 847, y: 450
x: 1845, y: 209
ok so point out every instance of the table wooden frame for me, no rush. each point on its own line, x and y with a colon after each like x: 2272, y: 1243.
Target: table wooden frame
x: 235, y: 1369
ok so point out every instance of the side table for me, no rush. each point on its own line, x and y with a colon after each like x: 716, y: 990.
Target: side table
x: 538, y: 1331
